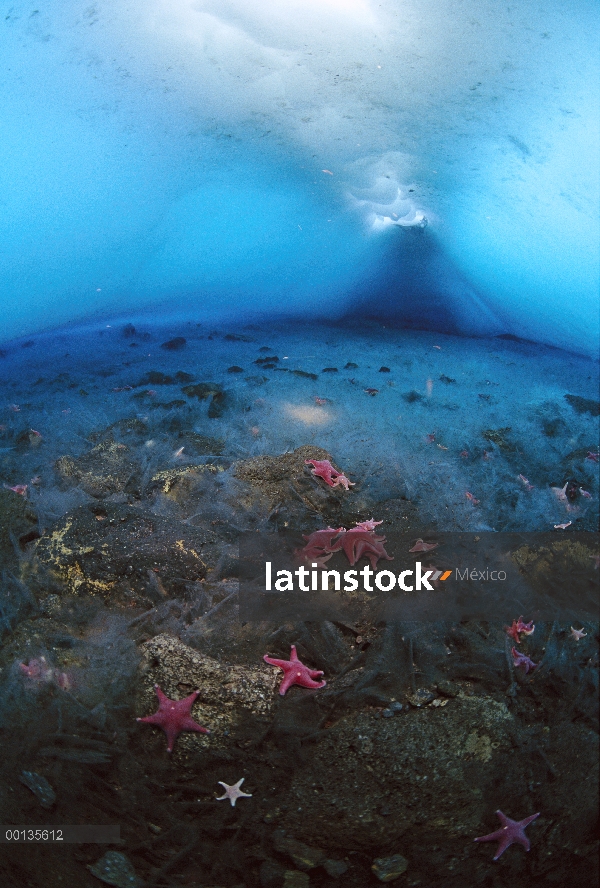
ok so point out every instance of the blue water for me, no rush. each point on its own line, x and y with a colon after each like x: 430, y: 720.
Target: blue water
x: 229, y: 231
x: 234, y: 159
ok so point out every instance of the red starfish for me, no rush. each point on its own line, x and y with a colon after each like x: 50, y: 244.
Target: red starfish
x: 510, y: 831
x: 519, y: 628
x: 295, y: 672
x: 322, y: 468
x: 174, y: 716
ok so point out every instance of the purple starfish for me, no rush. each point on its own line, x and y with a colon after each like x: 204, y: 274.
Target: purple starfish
x: 295, y: 672
x: 510, y: 831
x: 174, y: 716
x: 522, y: 661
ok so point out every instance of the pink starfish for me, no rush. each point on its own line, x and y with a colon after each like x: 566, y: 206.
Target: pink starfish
x: 510, y: 831
x: 369, y: 524
x: 21, y: 489
x: 357, y: 542
x: 420, y: 546
x: 323, y: 469
x: 295, y: 672
x: 174, y: 716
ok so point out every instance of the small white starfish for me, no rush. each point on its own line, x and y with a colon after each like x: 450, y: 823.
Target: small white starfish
x: 577, y: 634
x: 233, y: 793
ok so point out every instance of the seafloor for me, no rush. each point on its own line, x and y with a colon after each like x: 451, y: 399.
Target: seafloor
x: 133, y: 457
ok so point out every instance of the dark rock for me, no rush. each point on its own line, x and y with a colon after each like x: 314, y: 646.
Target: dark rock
x: 499, y: 437
x: 17, y: 520
x: 218, y: 405
x: 124, y: 427
x: 388, y: 869
x: 201, y: 390
x: 182, y: 376
x: 295, y: 879
x: 305, y: 857
x: 351, y: 366
x: 583, y: 405
x: 272, y: 359
x: 202, y: 445
x: 329, y: 370
x: 114, y: 868
x: 156, y: 377
x: 271, y: 874
x: 175, y: 344
x: 39, y: 787
x: 384, y: 370
x: 413, y: 396
x: 105, y: 470
x: 553, y: 428
x: 108, y: 549
x: 236, y: 337
x: 448, y: 688
x: 335, y: 868
x: 304, y: 375
x: 128, y: 331
x: 235, y: 369
x: 447, y: 379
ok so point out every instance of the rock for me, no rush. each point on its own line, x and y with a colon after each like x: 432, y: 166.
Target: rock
x: 114, y: 868
x: 412, y: 396
x: 388, y: 869
x: 201, y: 390
x: 17, y: 519
x: 500, y: 438
x: 304, y: 375
x: 583, y: 405
x: 175, y: 344
x: 448, y: 688
x: 231, y: 695
x: 421, y: 697
x: 294, y: 879
x: 421, y: 768
x: 218, y: 405
x: 108, y: 550
x: 271, y: 874
x: 39, y: 787
x: 105, y: 470
x: 305, y: 857
x: 201, y: 445
x: 335, y: 868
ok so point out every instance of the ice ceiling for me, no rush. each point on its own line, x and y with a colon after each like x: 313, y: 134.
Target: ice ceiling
x: 433, y: 162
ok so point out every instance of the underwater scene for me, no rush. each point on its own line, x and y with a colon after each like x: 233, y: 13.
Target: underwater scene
x: 299, y: 444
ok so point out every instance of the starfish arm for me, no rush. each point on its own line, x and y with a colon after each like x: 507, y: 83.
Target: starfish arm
x: 273, y: 662
x: 294, y: 655
x: 315, y: 673
x: 155, y: 719
x: 288, y: 681
x: 162, y: 698
x: 188, y: 724
x: 491, y: 837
